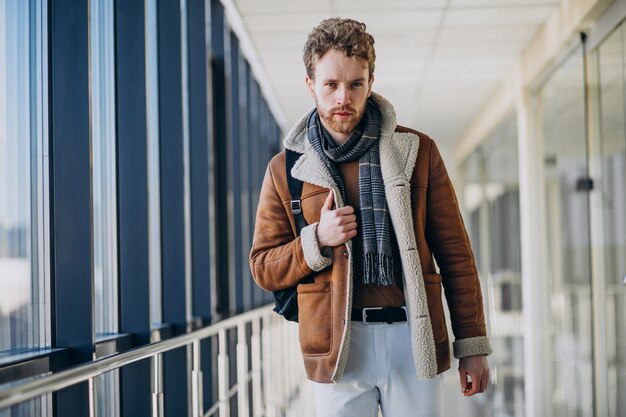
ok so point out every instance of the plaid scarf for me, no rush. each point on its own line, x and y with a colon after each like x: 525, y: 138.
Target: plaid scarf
x: 375, y: 223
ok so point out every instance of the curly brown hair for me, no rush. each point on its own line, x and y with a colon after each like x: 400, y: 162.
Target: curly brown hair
x: 345, y: 35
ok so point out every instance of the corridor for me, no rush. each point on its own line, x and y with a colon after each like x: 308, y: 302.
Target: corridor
x: 134, y: 139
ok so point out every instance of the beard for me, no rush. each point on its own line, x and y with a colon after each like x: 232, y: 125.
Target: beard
x: 341, y: 126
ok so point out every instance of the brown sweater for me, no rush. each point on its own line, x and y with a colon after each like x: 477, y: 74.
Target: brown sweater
x: 368, y: 295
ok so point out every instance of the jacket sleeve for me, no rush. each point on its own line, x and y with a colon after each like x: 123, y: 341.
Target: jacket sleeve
x: 277, y: 259
x: 450, y: 245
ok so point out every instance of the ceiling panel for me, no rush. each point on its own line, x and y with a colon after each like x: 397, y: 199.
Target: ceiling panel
x: 278, y: 40
x: 395, y: 5
x: 283, y: 23
x: 511, y: 3
x: 476, y: 33
x: 250, y: 7
x: 498, y: 16
x: 334, y: 7
x: 394, y: 21
x: 469, y: 51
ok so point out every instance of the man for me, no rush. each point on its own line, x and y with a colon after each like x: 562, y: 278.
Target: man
x: 380, y: 208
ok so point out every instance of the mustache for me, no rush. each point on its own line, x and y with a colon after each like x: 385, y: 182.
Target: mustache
x: 343, y: 110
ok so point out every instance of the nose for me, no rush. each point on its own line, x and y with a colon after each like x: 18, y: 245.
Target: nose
x: 342, y: 96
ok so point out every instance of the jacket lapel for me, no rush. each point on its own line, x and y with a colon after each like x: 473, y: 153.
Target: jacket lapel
x: 310, y: 168
x: 398, y: 153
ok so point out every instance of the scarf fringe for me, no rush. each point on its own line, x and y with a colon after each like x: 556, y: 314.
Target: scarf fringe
x: 378, y: 270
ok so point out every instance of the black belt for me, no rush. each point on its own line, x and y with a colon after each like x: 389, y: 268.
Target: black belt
x: 379, y: 314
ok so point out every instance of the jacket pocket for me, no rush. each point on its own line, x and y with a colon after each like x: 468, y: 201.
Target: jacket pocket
x: 432, y: 282
x: 314, y: 316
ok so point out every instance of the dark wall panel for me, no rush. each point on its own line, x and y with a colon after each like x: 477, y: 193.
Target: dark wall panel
x: 234, y: 175
x: 199, y: 158
x: 132, y: 175
x: 172, y: 199
x: 220, y: 168
x: 70, y: 193
x: 199, y: 120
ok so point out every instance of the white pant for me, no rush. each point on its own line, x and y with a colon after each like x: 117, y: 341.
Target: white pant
x: 380, y: 370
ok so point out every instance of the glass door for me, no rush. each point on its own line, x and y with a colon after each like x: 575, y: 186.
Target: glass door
x: 607, y: 164
x: 566, y: 242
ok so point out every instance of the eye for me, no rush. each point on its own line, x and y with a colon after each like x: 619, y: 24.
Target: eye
x: 357, y: 84
x: 331, y: 85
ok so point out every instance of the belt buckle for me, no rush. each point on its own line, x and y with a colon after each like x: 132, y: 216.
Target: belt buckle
x: 365, y: 309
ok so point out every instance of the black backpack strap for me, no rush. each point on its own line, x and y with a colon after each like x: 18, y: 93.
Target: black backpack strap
x: 286, y: 300
x: 295, y: 189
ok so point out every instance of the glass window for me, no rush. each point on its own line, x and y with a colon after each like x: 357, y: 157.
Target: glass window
x: 491, y: 200
x: 104, y: 192
x: 24, y: 215
x: 503, y: 270
x: 24, y: 260
x: 607, y: 162
x: 566, y: 264
x: 103, y: 166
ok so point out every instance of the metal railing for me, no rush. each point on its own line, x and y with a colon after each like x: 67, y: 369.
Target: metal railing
x: 276, y: 370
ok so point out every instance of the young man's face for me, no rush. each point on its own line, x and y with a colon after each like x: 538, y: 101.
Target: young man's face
x: 340, y: 89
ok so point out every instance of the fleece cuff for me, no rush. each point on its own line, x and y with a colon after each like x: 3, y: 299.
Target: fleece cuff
x: 471, y: 346
x: 312, y: 254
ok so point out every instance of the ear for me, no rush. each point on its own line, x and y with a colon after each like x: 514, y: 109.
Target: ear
x: 371, y: 84
x: 310, y: 84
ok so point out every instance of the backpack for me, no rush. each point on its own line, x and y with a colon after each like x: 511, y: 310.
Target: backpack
x: 286, y: 300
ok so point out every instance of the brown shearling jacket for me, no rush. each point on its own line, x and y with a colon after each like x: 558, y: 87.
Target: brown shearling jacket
x: 427, y: 223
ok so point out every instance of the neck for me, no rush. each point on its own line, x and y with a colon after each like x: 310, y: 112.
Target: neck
x: 338, y: 138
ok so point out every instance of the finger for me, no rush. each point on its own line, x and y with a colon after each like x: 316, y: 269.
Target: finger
x: 347, y: 219
x: 474, y: 386
x: 350, y: 226
x: 347, y: 235
x: 486, y: 381
x: 468, y: 389
x: 328, y: 203
x: 345, y: 210
x: 352, y: 233
x: 464, y: 382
